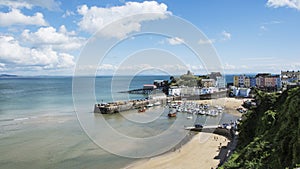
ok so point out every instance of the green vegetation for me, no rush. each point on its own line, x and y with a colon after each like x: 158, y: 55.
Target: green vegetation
x: 269, y: 133
x: 188, y: 79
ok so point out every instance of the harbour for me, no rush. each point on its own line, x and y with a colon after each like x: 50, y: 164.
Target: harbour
x: 154, y: 97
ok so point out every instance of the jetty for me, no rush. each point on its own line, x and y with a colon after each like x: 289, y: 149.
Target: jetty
x: 227, y: 130
x: 138, y: 91
x: 119, y: 106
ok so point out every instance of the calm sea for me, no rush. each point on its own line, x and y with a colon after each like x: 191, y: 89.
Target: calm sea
x: 39, y: 128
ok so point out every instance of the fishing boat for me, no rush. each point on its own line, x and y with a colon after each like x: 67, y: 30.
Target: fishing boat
x: 172, y: 113
x: 142, y: 110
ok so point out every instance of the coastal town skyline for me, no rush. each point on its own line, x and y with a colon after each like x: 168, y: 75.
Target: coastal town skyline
x: 46, y: 38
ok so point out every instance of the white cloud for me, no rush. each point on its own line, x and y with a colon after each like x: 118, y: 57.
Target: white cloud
x: 13, y: 54
x: 15, y: 17
x: 107, y: 67
x: 228, y: 66
x: 295, y: 66
x: 264, y: 26
x: 95, y: 18
x: 272, y: 22
x: 284, y: 3
x: 175, y: 67
x: 206, y: 41
x: 175, y: 41
x: 258, y: 59
x: 15, y: 4
x: 226, y: 35
x: 68, y: 13
x: 195, y: 68
x: 48, y: 4
x: 133, y: 68
x: 57, y: 39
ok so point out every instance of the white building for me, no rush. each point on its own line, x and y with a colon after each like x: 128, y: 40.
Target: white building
x: 157, y: 95
x: 209, y: 90
x: 206, y: 91
x: 241, y: 92
x: 174, y: 91
x: 221, y: 83
x: 190, y: 91
x: 208, y: 82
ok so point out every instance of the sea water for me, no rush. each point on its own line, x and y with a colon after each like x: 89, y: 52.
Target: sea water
x: 39, y: 127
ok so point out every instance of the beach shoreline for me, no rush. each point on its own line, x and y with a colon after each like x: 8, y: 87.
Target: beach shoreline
x: 204, y: 150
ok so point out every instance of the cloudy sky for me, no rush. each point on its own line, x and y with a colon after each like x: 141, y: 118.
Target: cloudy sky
x: 47, y: 37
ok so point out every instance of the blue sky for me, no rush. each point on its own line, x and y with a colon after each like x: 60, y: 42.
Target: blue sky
x: 47, y: 37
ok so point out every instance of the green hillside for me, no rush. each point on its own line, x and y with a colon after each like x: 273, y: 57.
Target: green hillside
x: 269, y: 133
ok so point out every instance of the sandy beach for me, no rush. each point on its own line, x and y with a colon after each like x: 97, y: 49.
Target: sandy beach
x: 202, y: 151
x: 230, y: 104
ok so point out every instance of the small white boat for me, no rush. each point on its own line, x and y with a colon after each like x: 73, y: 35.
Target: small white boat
x: 207, y: 113
x: 213, y: 113
x: 202, y: 112
x: 189, y: 117
x: 149, y: 105
x: 157, y: 104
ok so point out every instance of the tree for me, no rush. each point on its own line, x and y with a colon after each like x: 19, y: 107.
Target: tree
x: 172, y: 80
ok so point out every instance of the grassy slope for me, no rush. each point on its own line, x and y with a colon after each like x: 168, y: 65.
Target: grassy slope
x: 269, y: 135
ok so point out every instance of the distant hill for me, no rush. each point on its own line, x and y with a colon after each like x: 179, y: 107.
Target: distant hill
x: 7, y: 75
x: 270, y: 133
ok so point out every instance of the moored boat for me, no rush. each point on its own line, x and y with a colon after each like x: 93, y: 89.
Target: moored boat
x: 189, y: 117
x: 142, y: 110
x: 172, y: 113
x: 149, y: 105
x: 157, y: 104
